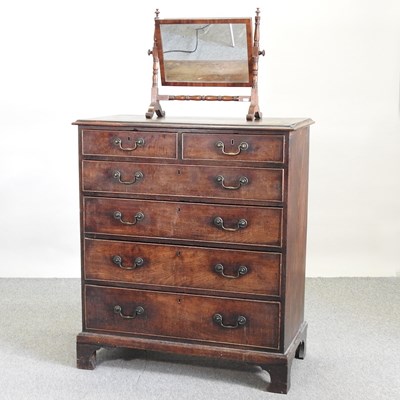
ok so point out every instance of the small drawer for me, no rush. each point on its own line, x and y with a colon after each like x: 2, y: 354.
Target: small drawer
x: 251, y: 184
x: 259, y: 226
x: 169, y: 315
x: 226, y: 271
x: 129, y: 144
x: 233, y: 147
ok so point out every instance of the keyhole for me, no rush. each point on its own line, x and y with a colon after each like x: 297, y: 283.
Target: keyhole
x: 129, y: 138
x: 179, y: 301
x: 179, y: 171
x: 232, y: 141
x: 178, y: 253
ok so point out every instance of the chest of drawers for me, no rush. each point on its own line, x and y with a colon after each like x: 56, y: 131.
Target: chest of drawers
x: 193, y: 238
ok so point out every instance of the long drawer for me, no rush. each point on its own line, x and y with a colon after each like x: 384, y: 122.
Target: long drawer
x: 129, y: 144
x: 250, y: 225
x: 243, y: 272
x: 258, y: 184
x: 200, y: 318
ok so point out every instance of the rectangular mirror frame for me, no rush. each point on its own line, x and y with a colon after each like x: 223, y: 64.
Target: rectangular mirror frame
x: 249, y: 34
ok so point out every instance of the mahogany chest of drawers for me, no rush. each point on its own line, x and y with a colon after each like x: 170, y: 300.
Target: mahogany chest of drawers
x: 193, y: 238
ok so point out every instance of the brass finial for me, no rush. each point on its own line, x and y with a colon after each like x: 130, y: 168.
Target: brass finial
x: 257, y: 12
x: 157, y: 13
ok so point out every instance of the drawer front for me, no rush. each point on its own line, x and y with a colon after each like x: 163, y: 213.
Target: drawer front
x: 194, y: 222
x: 244, y: 272
x: 255, y: 184
x: 129, y: 144
x: 182, y: 316
x: 233, y: 147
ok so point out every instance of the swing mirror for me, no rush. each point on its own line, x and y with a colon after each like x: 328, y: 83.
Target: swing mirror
x: 206, y: 52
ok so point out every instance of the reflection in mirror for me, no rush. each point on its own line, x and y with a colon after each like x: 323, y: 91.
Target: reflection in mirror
x: 205, y: 53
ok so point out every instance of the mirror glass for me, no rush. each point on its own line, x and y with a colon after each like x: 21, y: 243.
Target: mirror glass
x: 205, y: 52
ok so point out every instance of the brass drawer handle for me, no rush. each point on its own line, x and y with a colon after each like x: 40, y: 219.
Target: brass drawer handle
x: 136, y: 177
x: 139, y: 216
x: 243, y: 146
x: 139, y: 310
x: 138, y: 143
x: 240, y: 321
x: 137, y: 262
x: 242, y: 270
x: 243, y: 180
x: 219, y: 223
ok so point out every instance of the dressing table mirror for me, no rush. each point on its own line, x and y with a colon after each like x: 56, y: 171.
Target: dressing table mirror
x: 206, y: 52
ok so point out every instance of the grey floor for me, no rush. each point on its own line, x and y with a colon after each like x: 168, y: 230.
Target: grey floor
x: 353, y: 350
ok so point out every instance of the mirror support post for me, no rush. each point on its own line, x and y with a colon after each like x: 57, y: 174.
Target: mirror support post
x: 155, y: 106
x: 254, y: 109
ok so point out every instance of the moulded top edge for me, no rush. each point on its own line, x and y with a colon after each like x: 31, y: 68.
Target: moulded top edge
x: 186, y: 122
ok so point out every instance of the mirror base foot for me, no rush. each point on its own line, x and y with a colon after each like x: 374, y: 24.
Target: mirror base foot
x: 254, y: 113
x: 155, y: 107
